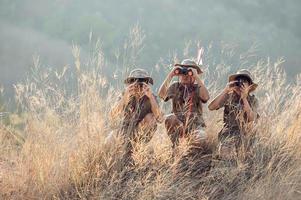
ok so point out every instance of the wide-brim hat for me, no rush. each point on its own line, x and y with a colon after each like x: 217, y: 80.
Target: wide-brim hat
x: 190, y: 63
x: 244, y: 73
x: 139, y: 73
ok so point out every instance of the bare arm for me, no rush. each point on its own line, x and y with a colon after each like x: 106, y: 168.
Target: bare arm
x: 220, y: 99
x: 118, y: 108
x: 156, y: 109
x: 123, y: 101
x: 154, y: 104
x: 204, y: 94
x: 251, y: 115
x: 164, y: 87
x: 249, y: 111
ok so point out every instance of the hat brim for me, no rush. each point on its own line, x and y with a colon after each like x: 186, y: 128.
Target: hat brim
x: 234, y: 76
x: 192, y: 66
x: 253, y: 85
x: 149, y: 79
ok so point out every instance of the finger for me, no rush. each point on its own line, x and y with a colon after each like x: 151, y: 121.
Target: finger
x: 132, y: 88
x: 245, y: 85
x: 146, y: 87
x: 131, y: 85
x: 145, y: 84
x: 236, y: 89
x: 252, y: 86
x: 195, y: 72
x: 231, y: 88
x: 131, y: 92
x: 231, y: 83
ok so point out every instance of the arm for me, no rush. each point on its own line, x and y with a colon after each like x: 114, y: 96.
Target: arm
x: 164, y: 87
x: 122, y: 102
x: 220, y: 100
x: 156, y: 109
x: 251, y: 114
x: 154, y: 104
x: 204, y: 94
x: 249, y: 111
x: 118, y: 107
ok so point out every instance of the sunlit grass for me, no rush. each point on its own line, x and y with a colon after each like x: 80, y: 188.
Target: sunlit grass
x: 63, y: 151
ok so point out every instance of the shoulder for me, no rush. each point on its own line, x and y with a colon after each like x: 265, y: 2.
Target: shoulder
x: 174, y: 85
x: 196, y: 88
x: 172, y: 90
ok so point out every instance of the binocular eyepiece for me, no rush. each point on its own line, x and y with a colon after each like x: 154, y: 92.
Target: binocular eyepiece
x: 140, y: 81
x: 183, y: 71
x: 239, y: 82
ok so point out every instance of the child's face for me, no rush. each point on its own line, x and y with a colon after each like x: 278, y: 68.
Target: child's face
x: 186, y: 79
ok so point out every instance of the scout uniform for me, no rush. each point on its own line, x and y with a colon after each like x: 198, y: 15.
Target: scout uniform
x: 134, y: 112
x: 186, y: 105
x: 235, y: 119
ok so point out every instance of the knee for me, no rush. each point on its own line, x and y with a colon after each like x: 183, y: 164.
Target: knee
x: 149, y: 121
x: 172, y: 121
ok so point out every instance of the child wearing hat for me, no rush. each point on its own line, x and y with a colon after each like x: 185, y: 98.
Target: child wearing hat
x: 139, y: 108
x: 240, y: 109
x: 187, y: 95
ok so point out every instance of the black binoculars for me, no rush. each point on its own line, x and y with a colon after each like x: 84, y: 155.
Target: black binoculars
x: 138, y: 80
x: 239, y: 81
x: 183, y: 71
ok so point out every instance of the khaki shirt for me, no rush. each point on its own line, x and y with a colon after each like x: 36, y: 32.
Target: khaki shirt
x: 235, y: 119
x: 134, y: 112
x: 137, y: 109
x: 186, y: 103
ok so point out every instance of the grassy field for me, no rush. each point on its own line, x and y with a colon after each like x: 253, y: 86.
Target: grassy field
x: 58, y: 148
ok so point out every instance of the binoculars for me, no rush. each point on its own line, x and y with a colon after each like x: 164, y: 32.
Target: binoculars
x: 239, y: 82
x: 139, y: 82
x: 183, y: 71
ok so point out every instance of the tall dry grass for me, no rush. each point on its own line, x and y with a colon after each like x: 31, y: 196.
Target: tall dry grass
x: 61, y: 151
